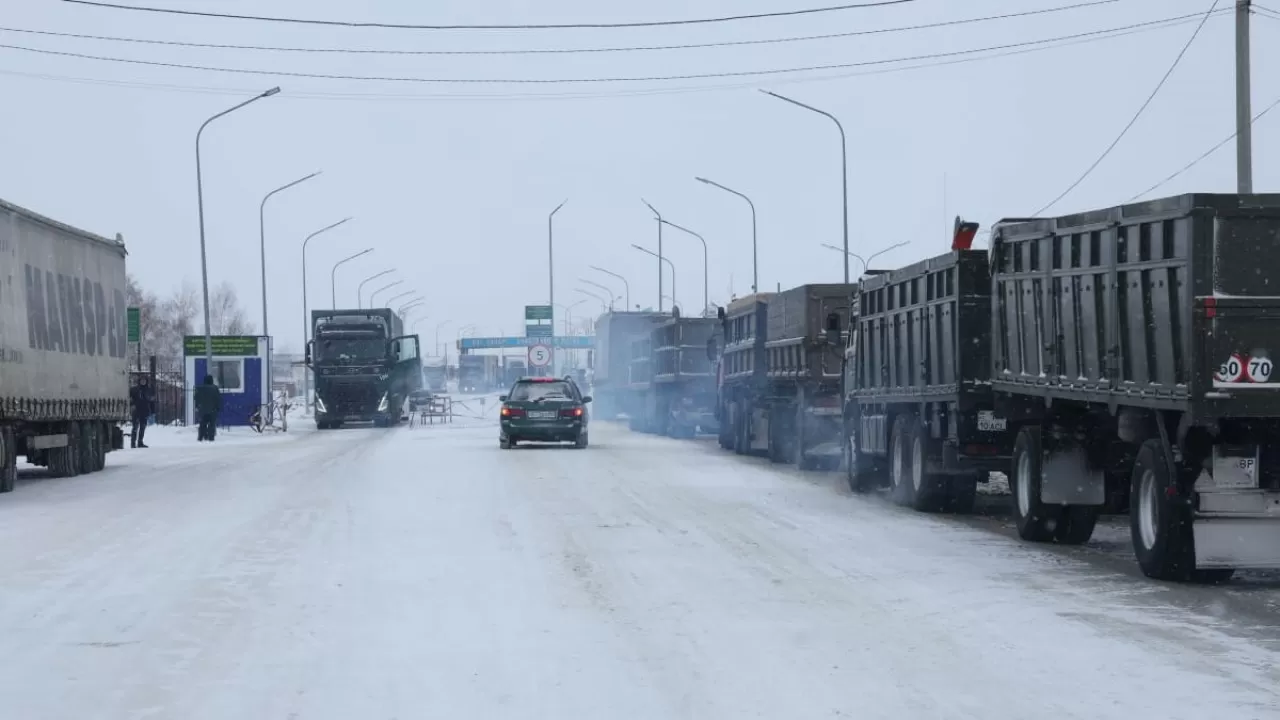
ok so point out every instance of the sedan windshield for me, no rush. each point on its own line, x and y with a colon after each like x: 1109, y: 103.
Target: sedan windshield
x: 537, y: 391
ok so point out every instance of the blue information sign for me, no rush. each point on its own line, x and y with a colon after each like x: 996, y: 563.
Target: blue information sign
x: 568, y: 342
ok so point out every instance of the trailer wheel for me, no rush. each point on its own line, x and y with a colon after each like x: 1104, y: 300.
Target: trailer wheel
x: 104, y: 446
x: 88, y: 451
x: 900, y: 459
x: 8, y: 460
x: 1075, y: 524
x: 1035, y: 520
x: 859, y: 469
x: 1160, y: 522
x: 742, y: 429
x: 928, y: 493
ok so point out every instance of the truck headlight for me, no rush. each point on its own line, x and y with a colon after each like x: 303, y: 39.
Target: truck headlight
x: 383, y: 404
x: 320, y: 408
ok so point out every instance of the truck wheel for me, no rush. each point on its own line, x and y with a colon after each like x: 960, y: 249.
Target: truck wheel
x: 900, y: 460
x: 8, y: 460
x: 62, y: 460
x: 87, y: 457
x: 104, y: 442
x: 928, y: 493
x: 859, y: 469
x: 742, y: 431
x: 1160, y: 522
x: 1035, y: 520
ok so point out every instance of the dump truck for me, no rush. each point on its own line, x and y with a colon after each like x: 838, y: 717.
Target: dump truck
x: 471, y: 373
x: 364, y: 366
x: 612, y: 390
x: 673, y: 371
x: 1126, y: 355
x: 781, y: 379
x: 64, y: 387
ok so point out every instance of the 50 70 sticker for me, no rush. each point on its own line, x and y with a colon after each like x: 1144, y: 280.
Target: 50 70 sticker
x: 1245, y: 369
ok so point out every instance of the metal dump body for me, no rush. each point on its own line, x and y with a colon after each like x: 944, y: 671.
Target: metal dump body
x: 796, y: 331
x: 1167, y: 304
x: 614, y: 333
x: 679, y: 349
x: 745, y: 325
x: 922, y: 331
x: 640, y: 364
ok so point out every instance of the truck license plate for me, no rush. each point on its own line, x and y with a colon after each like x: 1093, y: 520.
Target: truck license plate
x: 1235, y: 466
x: 542, y: 414
x: 988, y: 422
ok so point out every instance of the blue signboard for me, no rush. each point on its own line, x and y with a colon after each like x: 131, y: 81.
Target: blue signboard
x: 568, y: 342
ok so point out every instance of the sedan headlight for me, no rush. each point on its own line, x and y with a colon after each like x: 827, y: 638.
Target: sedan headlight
x: 383, y: 404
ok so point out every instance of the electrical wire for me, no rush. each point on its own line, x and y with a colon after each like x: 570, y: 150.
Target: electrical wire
x: 1203, y: 156
x: 720, y: 87
x: 1132, y: 121
x: 593, y: 80
x: 557, y: 26
x: 558, y: 51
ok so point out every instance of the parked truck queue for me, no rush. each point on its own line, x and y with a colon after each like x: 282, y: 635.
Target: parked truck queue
x: 1116, y: 360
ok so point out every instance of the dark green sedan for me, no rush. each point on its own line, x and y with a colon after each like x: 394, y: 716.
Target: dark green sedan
x: 543, y: 410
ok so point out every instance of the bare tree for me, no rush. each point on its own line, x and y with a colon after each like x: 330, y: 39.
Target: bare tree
x: 150, y: 317
x: 226, y: 316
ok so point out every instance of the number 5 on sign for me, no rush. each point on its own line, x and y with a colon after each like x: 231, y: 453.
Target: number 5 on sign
x: 1259, y: 369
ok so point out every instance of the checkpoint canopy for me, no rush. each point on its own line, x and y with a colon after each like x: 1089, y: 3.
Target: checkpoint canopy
x: 563, y: 342
x: 240, y: 368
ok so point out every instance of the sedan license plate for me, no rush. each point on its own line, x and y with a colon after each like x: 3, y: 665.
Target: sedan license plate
x: 542, y: 414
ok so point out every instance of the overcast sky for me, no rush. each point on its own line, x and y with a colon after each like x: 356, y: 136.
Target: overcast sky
x: 453, y: 190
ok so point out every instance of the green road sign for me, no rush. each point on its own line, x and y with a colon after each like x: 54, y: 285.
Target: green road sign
x: 538, y: 330
x: 134, y: 316
x: 222, y: 345
x: 537, y: 312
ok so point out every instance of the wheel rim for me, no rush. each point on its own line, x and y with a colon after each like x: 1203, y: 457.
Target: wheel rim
x: 897, y: 460
x: 917, y: 463
x: 1148, y: 509
x: 1024, y: 484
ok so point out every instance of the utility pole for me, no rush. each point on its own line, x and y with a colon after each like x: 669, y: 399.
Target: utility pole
x: 1244, y: 110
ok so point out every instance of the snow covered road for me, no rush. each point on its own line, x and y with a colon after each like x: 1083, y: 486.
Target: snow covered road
x: 424, y: 573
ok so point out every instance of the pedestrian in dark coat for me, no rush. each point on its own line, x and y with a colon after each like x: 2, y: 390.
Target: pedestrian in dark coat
x: 142, y: 403
x: 208, y: 399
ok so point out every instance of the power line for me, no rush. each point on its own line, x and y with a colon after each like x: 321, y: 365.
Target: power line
x: 556, y: 51
x: 560, y: 26
x: 594, y: 80
x: 1204, y: 156
x: 719, y: 87
x: 1132, y: 121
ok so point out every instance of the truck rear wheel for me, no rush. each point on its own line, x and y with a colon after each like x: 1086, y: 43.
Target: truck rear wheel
x: 8, y: 460
x: 900, y: 459
x: 1035, y: 520
x: 928, y: 491
x: 860, y: 470
x: 1160, y: 522
x: 65, y: 461
x: 87, y: 459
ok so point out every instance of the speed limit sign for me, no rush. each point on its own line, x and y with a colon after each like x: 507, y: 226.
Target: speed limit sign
x: 1259, y: 369
x: 1232, y: 370
x: 539, y: 355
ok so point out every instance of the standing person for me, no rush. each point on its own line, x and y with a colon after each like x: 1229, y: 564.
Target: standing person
x: 208, y: 400
x: 141, y: 403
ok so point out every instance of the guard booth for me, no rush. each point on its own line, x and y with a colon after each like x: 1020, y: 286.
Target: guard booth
x: 240, y: 369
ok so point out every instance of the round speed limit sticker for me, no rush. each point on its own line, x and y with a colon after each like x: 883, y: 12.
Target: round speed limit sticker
x: 1259, y: 369
x: 1232, y: 370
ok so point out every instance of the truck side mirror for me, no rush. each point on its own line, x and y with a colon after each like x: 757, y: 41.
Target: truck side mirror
x: 833, y: 329
x: 720, y: 313
x: 310, y: 343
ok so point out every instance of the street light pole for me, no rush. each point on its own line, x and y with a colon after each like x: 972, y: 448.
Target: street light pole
x: 439, y: 325
x: 705, y: 300
x: 360, y: 287
x: 388, y: 286
x: 670, y: 265
x: 867, y: 262
x: 755, y: 274
x: 844, y: 165
x: 393, y: 298
x: 603, y: 305
x: 551, y: 277
x: 262, y: 240
x: 333, y: 276
x: 625, y: 285
x: 605, y: 288
x: 204, y: 264
x: 306, y: 379
x: 416, y: 302
x: 658, y: 215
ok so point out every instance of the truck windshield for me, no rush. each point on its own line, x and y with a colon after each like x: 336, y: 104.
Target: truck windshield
x: 351, y: 347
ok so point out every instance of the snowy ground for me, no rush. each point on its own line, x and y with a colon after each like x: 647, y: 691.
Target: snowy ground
x: 421, y: 573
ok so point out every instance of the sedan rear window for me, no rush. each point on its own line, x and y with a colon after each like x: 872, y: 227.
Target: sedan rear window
x: 534, y: 391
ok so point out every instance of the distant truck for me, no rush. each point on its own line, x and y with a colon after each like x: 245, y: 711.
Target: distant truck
x: 514, y: 370
x: 478, y: 373
x: 780, y: 375
x: 435, y: 373
x: 673, y: 371
x: 613, y: 391
x: 64, y: 384
x: 364, y: 367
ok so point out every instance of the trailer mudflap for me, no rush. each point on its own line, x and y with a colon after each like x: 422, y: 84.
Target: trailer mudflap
x: 1239, y: 348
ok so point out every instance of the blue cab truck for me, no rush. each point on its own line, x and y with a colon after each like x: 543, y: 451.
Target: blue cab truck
x: 364, y: 366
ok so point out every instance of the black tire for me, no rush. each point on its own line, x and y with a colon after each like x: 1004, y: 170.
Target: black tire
x: 900, y: 460
x: 742, y: 430
x: 1035, y: 520
x: 1170, y: 552
x: 8, y: 460
x: 504, y: 443
x: 322, y: 425
x: 1075, y: 524
x: 88, y: 450
x: 779, y: 448
x: 928, y: 490
x: 104, y: 442
x: 581, y: 441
